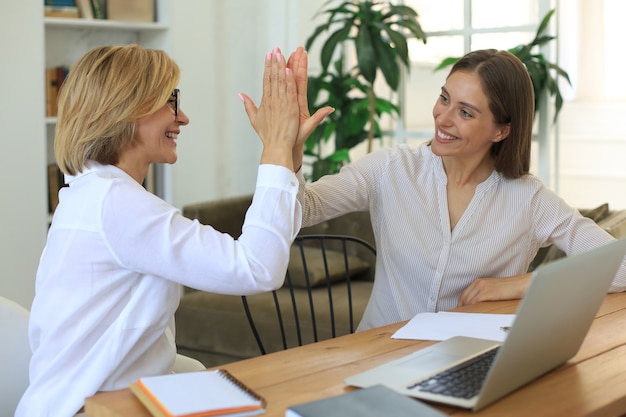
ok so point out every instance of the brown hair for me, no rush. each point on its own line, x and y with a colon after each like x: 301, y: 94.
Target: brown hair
x: 105, y: 93
x: 509, y: 90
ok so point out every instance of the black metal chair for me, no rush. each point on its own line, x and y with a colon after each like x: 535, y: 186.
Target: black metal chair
x: 327, y: 274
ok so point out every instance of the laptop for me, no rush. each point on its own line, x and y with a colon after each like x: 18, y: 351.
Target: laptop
x: 550, y: 325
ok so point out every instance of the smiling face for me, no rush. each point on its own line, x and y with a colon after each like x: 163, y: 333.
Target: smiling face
x: 464, y: 125
x: 157, y: 133
x: 155, y: 141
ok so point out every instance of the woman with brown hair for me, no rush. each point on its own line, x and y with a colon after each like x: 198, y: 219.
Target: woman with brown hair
x: 459, y: 219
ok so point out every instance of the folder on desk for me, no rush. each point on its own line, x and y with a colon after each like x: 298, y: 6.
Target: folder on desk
x: 376, y: 401
x: 197, y: 394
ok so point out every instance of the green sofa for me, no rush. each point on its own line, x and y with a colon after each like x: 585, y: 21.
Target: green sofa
x: 214, y: 329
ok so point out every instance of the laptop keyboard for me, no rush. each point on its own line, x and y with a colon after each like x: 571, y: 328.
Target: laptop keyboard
x: 461, y: 381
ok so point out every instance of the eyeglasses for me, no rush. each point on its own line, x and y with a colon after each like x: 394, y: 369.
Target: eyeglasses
x: 174, y: 101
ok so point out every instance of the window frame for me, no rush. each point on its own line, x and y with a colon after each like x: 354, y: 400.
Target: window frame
x: 546, y: 133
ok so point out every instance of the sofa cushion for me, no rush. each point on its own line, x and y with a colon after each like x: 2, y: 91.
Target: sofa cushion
x: 316, y: 268
x: 615, y: 224
x: 596, y: 214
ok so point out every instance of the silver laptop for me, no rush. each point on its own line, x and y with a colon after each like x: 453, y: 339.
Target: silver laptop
x: 550, y: 324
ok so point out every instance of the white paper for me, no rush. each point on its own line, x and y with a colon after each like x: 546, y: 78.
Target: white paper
x: 446, y: 324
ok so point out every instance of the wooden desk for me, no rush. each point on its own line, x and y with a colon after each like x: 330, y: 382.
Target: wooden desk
x: 593, y: 383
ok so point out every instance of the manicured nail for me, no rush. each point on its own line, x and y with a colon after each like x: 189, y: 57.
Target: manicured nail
x: 277, y: 54
x: 241, y: 97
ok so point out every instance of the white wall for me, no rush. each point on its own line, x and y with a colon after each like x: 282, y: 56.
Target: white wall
x: 592, y: 142
x: 22, y: 155
x: 220, y: 47
x: 592, y: 153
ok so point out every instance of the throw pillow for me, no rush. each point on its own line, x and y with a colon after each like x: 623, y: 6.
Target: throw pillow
x: 315, y: 266
x: 596, y: 214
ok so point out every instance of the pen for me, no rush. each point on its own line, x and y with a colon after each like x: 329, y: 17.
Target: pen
x: 505, y: 328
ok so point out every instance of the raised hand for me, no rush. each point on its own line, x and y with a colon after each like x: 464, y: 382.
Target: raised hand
x: 298, y: 63
x: 276, y: 119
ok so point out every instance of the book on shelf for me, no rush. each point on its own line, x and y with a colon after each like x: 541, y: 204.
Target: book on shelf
x: 130, y: 11
x: 97, y: 8
x: 56, y: 181
x: 60, y: 8
x: 55, y: 76
x: 197, y: 394
x: 376, y: 401
x: 51, y: 91
x: 60, y: 3
x: 84, y: 7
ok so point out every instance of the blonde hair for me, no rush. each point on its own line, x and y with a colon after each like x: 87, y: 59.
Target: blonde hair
x: 105, y: 93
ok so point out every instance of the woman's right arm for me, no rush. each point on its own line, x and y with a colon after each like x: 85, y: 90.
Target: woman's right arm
x: 353, y: 188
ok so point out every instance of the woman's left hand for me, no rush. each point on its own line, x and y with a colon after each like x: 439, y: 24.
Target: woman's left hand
x: 298, y: 62
x: 495, y: 289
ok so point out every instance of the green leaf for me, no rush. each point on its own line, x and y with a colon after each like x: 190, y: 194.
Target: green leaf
x: 386, y: 106
x: 521, y: 51
x: 386, y: 58
x: 544, y: 23
x: 331, y: 43
x: 399, y: 42
x: 340, y: 155
x: 447, y: 62
x: 316, y: 33
x: 365, y: 54
x: 414, y: 27
x: 560, y: 71
x: 541, y: 40
x: 399, y: 9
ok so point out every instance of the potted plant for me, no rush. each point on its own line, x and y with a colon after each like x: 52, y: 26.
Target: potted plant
x: 544, y: 74
x: 378, y: 32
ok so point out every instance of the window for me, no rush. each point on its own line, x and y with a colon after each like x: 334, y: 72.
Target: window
x: 453, y: 28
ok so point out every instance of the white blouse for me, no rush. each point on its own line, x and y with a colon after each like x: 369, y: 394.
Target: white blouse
x: 423, y: 266
x: 108, y: 280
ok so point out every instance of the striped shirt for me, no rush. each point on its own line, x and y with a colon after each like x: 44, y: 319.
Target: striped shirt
x: 423, y: 266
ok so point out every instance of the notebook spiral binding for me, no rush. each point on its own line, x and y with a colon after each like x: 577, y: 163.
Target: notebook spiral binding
x: 243, y: 387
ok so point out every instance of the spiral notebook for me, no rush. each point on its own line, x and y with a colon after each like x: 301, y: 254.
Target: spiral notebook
x: 197, y: 394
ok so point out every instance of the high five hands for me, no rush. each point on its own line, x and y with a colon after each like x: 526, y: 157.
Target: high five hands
x: 282, y: 120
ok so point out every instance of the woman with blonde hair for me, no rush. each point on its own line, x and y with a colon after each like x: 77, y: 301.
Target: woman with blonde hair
x: 108, y: 281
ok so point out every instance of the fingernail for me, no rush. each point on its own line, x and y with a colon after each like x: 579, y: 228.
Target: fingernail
x: 268, y: 57
x: 277, y: 54
x: 241, y: 97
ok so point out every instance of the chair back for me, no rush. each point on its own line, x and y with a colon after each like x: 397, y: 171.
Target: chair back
x: 327, y: 274
x: 15, y: 355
